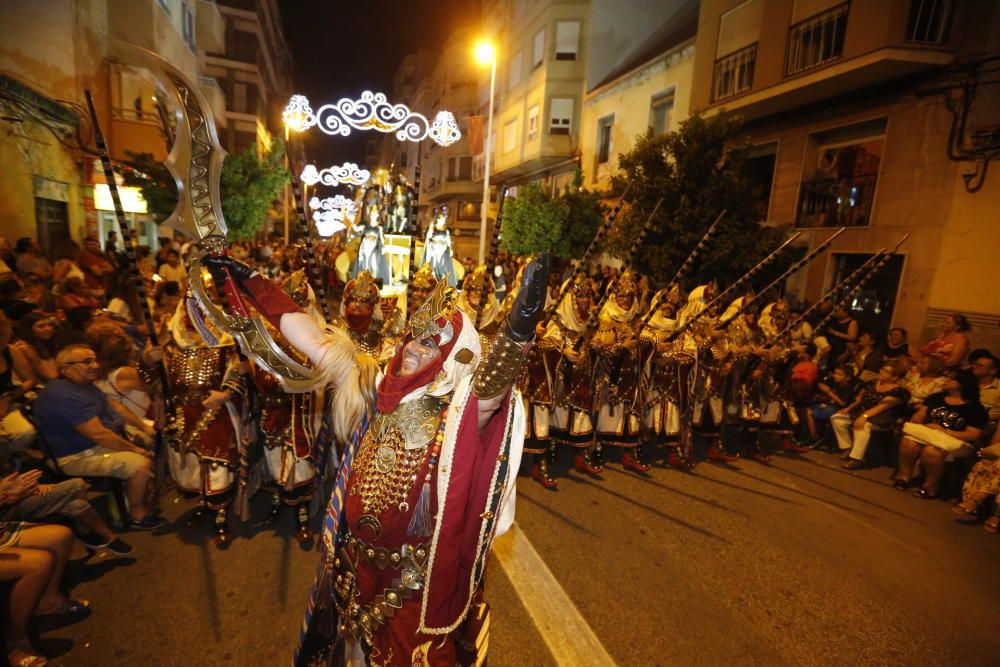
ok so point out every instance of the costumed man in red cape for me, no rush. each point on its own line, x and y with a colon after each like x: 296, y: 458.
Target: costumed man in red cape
x: 426, y: 484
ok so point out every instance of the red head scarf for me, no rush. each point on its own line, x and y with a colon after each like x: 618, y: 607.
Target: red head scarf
x: 393, y: 388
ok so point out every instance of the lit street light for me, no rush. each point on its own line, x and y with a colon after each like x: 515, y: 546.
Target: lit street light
x: 486, y: 55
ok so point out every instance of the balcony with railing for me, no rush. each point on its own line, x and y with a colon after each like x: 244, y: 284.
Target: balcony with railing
x: 817, y: 40
x: 733, y: 74
x: 928, y: 21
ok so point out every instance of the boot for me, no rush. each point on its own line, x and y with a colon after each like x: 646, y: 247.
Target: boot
x: 272, y: 516
x: 631, y: 460
x: 304, y: 533
x: 788, y: 445
x: 583, y: 463
x: 540, y: 473
x: 196, y: 516
x: 221, y: 528
x: 597, y: 458
x: 759, y: 457
x: 716, y: 454
x: 675, y: 460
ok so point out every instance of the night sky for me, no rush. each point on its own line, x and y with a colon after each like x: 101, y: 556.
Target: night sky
x: 339, y: 49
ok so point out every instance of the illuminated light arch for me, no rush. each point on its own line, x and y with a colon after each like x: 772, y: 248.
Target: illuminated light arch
x: 347, y: 173
x: 372, y: 111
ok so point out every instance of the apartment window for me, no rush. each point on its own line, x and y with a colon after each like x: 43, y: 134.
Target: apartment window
x: 929, y: 21
x: 538, y: 50
x: 187, y: 23
x: 404, y: 159
x: 817, y: 40
x: 515, y: 71
x: 532, y: 122
x: 840, y: 192
x: 736, y: 50
x: 604, y: 141
x: 510, y: 135
x: 240, y: 97
x: 567, y: 40
x: 467, y: 211
x: 560, y: 115
x: 759, y: 171
x: 661, y: 108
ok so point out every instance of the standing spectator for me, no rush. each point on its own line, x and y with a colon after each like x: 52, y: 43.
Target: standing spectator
x: 944, y: 428
x: 952, y: 344
x: 875, y: 407
x: 897, y: 344
x: 867, y: 359
x: 86, y: 434
x: 985, y: 369
x: 841, y: 330
x: 161, y: 254
x: 37, y: 333
x: 173, y: 270
x: 31, y: 263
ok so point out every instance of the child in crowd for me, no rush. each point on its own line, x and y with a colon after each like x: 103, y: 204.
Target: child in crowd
x: 835, y: 392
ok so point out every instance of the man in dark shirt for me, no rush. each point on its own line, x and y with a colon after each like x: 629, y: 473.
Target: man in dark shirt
x: 85, y: 433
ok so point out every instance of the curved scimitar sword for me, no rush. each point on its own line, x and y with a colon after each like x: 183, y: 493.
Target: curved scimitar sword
x: 195, y: 162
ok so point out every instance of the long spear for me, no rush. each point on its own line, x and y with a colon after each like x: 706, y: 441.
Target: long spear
x: 491, y: 258
x: 729, y: 290
x: 883, y: 260
x: 413, y: 221
x: 684, y: 268
x: 602, y: 230
x: 629, y: 257
x: 131, y: 258
x: 829, y: 293
x: 810, y: 256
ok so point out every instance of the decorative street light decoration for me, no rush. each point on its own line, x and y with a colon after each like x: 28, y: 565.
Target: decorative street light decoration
x: 333, y: 214
x: 371, y: 112
x: 347, y: 173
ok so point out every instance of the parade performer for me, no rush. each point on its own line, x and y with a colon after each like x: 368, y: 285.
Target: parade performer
x: 421, y: 284
x: 472, y: 291
x: 558, y: 387
x: 778, y: 417
x: 362, y: 315
x: 289, y: 428
x: 370, y: 255
x: 617, y: 372
x: 437, y: 251
x: 203, y: 433
x: 427, y: 484
x: 705, y: 381
x: 740, y: 393
x: 664, y: 366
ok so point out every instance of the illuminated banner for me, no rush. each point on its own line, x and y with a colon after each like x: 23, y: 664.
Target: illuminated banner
x: 347, y: 173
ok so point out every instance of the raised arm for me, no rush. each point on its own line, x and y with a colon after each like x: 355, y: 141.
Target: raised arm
x: 502, y: 364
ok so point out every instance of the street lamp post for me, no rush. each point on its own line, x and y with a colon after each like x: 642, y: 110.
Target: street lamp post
x: 485, y: 53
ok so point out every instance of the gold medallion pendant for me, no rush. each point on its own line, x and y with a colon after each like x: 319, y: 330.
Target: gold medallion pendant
x: 385, y: 459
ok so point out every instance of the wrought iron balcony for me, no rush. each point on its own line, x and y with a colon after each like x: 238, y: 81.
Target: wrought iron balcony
x: 817, y: 40
x: 734, y: 73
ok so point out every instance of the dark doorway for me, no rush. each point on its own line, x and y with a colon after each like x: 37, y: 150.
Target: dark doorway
x: 52, y: 219
x: 874, y: 304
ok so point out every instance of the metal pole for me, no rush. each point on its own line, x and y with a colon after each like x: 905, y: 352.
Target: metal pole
x: 484, y: 214
x: 289, y: 170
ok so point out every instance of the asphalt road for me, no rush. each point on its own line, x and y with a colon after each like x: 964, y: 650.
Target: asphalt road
x: 796, y: 563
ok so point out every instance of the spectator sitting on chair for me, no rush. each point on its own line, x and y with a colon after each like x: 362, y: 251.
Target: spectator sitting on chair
x: 37, y: 332
x: 833, y: 394
x: 984, y: 367
x: 39, y: 503
x: 897, y: 344
x: 945, y: 427
x: 33, y: 558
x: 867, y: 358
x: 76, y: 295
x: 983, y: 481
x: 926, y: 378
x: 85, y: 433
x: 876, y: 406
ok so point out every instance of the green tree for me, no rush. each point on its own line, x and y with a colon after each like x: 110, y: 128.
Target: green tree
x: 698, y: 170
x: 535, y: 222
x: 249, y: 186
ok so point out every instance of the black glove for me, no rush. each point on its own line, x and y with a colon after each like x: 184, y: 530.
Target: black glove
x: 530, y: 301
x: 238, y: 270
